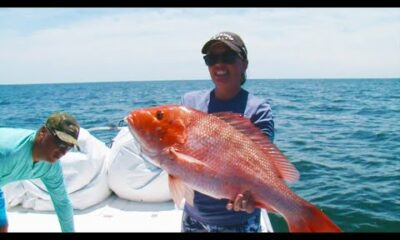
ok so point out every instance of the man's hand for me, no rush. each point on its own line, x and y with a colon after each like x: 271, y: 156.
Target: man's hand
x: 4, y: 228
x: 243, y: 202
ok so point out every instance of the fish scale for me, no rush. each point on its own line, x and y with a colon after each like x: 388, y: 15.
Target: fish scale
x: 242, y: 153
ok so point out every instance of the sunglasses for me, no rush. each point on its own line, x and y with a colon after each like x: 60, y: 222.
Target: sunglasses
x: 226, y: 58
x: 60, y: 143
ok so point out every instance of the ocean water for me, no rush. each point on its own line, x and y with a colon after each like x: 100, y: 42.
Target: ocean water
x: 342, y: 135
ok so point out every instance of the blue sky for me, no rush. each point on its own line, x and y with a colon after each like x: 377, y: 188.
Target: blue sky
x: 55, y: 45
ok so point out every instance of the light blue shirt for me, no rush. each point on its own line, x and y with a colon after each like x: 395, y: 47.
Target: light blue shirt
x: 16, y: 164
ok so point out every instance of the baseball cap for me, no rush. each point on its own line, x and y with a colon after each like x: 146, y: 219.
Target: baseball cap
x: 64, y: 126
x: 232, y: 40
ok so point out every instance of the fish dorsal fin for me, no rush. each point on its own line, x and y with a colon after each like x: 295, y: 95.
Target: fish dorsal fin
x: 286, y: 170
x: 179, y: 191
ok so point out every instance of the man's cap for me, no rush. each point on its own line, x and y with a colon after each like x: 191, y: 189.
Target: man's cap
x: 64, y: 126
x: 232, y: 40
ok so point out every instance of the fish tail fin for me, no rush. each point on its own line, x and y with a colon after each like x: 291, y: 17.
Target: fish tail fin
x: 312, y: 220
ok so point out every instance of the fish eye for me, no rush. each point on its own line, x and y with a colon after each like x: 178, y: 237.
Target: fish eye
x: 159, y: 115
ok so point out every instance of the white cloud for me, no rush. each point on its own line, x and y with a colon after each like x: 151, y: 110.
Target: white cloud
x: 157, y: 44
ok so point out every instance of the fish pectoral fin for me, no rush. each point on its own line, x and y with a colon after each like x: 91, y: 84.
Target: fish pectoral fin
x: 179, y: 191
x: 186, y: 160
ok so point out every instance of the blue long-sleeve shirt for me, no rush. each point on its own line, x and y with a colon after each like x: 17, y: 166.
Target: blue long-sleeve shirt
x: 16, y: 164
x: 207, y: 209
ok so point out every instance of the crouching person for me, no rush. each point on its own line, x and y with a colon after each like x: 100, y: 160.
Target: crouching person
x: 29, y: 154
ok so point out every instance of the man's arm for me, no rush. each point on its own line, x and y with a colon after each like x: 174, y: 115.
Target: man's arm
x: 3, y: 213
x: 263, y: 119
x: 54, y: 182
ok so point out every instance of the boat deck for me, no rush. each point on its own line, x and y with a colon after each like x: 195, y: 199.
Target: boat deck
x: 112, y: 215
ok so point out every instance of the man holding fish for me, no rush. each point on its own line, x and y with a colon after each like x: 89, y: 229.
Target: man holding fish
x: 217, y: 149
x: 226, y: 58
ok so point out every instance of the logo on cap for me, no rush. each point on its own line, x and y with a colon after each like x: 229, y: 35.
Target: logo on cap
x: 223, y: 36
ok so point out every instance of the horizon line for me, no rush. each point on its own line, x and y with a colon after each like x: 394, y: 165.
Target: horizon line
x: 172, y: 80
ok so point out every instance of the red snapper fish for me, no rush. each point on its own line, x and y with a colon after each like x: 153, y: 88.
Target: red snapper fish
x: 222, y: 155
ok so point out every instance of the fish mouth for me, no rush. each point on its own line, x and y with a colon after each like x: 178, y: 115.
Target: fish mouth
x: 133, y: 132
x: 145, y: 152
